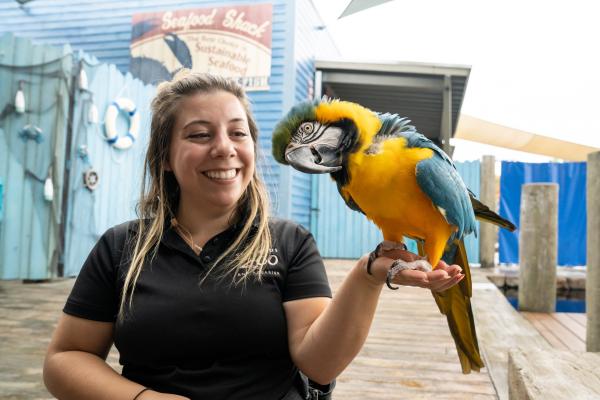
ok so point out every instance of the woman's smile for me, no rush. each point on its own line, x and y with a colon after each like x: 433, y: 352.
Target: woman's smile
x: 222, y: 175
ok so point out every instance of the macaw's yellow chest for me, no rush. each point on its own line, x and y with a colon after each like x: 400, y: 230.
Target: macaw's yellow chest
x: 384, y: 185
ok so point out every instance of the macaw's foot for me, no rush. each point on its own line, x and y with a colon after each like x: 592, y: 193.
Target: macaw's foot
x: 372, y: 256
x: 386, y: 245
x: 420, y: 264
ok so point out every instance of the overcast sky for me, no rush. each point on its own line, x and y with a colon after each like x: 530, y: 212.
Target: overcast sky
x: 535, y: 65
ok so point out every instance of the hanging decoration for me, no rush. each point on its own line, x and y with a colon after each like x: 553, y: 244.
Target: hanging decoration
x: 82, y: 152
x: 90, y: 179
x: 110, y: 121
x: 20, y: 99
x: 90, y: 176
x: 83, y: 79
x: 49, y: 187
x: 92, y: 116
x: 31, y: 132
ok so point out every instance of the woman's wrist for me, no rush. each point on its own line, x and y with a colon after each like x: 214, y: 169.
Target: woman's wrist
x: 377, y: 276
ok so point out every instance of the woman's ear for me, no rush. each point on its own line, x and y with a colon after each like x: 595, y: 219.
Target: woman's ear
x: 167, y: 166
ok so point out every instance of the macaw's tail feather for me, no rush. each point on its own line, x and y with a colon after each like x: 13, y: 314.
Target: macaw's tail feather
x: 482, y: 212
x: 455, y: 303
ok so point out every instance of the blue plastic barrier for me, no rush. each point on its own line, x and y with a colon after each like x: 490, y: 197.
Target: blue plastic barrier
x: 571, y: 178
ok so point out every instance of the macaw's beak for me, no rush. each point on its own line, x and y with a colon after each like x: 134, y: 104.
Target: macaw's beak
x: 313, y: 159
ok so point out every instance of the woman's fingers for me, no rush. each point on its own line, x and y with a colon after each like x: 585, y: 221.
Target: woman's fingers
x: 446, y: 277
x: 448, y: 284
x: 411, y: 277
x: 443, y: 277
x: 437, y: 274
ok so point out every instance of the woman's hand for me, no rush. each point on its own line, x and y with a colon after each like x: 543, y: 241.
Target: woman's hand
x: 443, y: 277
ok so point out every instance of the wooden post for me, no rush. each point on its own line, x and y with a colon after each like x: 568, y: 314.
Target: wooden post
x: 487, y: 195
x: 538, y: 247
x: 592, y: 285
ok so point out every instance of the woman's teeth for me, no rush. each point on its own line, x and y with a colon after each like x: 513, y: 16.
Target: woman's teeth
x: 222, y: 174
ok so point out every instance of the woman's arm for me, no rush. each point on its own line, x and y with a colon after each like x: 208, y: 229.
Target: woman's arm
x: 325, y: 335
x: 75, y: 366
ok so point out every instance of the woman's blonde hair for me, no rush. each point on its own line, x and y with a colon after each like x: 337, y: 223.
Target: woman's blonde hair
x: 160, y: 191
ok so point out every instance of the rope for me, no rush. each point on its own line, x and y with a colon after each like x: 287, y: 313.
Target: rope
x: 36, y: 65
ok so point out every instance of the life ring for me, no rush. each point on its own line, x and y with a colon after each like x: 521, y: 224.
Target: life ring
x: 110, y: 123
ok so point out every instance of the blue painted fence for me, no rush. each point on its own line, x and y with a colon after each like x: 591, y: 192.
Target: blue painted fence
x: 343, y: 233
x: 90, y: 213
x: 32, y: 147
x: 30, y: 243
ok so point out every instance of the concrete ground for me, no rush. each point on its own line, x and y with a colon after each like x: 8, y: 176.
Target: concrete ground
x: 28, y: 315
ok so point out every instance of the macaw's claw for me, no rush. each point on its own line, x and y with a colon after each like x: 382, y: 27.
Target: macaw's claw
x: 386, y: 245
x: 401, y: 265
x: 372, y: 256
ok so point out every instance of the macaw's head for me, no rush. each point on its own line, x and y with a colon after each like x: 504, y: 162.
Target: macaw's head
x: 316, y: 137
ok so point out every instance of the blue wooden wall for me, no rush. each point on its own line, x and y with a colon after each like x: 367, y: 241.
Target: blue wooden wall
x: 295, y: 192
x: 343, y: 233
x: 470, y: 171
x: 29, y: 227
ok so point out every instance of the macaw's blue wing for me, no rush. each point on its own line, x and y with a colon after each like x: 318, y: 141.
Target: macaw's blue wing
x: 438, y: 178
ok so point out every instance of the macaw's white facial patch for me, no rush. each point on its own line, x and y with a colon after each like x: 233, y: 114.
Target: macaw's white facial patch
x: 315, y: 133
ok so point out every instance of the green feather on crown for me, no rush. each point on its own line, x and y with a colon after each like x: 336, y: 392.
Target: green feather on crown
x: 282, y: 134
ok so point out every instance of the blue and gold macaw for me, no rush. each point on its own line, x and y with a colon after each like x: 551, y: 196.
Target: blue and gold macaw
x: 401, y: 181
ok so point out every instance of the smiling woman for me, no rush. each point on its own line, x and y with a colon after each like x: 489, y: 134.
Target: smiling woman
x: 204, y: 295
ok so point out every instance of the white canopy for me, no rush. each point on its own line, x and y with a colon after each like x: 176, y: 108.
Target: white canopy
x: 478, y: 130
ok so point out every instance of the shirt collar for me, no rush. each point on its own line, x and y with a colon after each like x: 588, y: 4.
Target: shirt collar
x: 172, y: 239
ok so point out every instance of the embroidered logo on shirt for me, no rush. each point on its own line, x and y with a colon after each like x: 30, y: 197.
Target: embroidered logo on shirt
x: 272, y: 260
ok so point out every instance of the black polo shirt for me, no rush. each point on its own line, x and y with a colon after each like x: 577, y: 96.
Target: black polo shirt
x: 210, y: 341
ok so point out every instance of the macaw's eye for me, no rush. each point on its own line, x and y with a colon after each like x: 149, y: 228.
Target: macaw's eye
x: 307, y: 128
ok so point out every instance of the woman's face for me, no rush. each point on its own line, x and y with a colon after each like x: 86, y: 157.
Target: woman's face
x: 211, y: 151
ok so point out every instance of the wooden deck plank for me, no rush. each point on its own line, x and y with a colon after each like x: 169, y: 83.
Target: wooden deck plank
x: 500, y: 328
x: 565, y: 335
x: 554, y: 374
x: 570, y: 323
x: 551, y: 328
x: 544, y: 331
x: 409, y: 353
x: 580, y: 318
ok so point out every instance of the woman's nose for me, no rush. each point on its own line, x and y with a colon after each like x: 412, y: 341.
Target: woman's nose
x: 223, y: 146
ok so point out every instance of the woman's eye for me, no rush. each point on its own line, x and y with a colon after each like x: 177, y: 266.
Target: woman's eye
x: 240, y: 133
x: 199, y: 135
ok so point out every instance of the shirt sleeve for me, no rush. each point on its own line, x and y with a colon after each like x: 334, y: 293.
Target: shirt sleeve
x: 306, y: 275
x: 95, y: 295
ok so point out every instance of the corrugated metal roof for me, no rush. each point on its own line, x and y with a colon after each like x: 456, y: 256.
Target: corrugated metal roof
x: 411, y: 90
